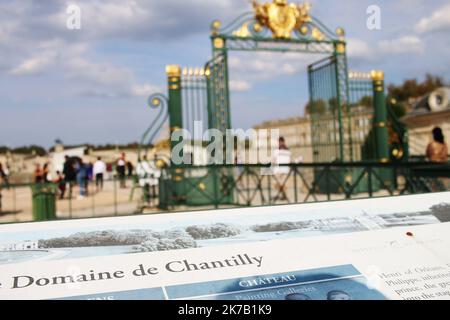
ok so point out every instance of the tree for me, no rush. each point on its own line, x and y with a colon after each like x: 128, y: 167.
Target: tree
x: 398, y: 110
x: 4, y: 149
x: 33, y: 149
x: 411, y: 88
x: 333, y: 105
x: 316, y: 107
x: 366, y: 101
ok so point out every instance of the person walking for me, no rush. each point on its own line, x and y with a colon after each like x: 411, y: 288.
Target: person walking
x: 81, y: 174
x: 99, y: 172
x: 121, y: 168
x: 89, y: 175
x: 61, y: 184
x: 437, y: 150
x: 130, y: 169
x: 69, y: 173
x: 282, y: 156
x: 90, y: 171
x: 46, y: 173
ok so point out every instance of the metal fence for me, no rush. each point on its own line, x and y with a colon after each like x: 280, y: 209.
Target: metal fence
x: 256, y: 185
x: 209, y: 187
x: 112, y: 200
x: 360, y: 118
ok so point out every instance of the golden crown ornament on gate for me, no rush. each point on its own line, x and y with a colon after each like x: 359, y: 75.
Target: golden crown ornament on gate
x: 282, y: 18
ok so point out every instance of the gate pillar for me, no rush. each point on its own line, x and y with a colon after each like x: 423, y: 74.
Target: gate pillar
x: 175, y: 102
x: 380, y: 116
x: 175, y: 123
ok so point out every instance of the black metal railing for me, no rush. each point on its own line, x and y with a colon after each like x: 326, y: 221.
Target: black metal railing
x: 227, y: 186
x: 17, y: 201
x: 259, y: 185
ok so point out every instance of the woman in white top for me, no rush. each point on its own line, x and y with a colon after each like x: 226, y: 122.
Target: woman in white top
x: 99, y: 171
x: 282, y: 156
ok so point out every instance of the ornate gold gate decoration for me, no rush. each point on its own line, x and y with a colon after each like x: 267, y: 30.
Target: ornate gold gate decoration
x: 282, y: 18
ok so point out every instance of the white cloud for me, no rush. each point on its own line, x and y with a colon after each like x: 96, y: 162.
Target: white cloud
x: 100, y: 73
x: 249, y: 69
x: 100, y: 18
x: 406, y: 44
x: 88, y: 76
x: 109, y: 80
x: 144, y: 90
x: 240, y: 85
x: 438, y: 21
x: 39, y: 57
x: 138, y: 19
x: 33, y: 65
x: 261, y: 66
x: 34, y: 40
x: 357, y: 48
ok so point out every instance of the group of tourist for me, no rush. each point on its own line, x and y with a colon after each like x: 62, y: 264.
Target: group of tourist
x: 78, y: 173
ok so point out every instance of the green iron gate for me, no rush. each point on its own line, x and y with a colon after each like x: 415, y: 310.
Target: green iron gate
x: 218, y: 92
x: 341, y: 122
x: 361, y: 129
x: 352, y: 127
x: 201, y: 102
x: 203, y: 94
x: 331, y: 136
x: 194, y: 98
x: 327, y: 131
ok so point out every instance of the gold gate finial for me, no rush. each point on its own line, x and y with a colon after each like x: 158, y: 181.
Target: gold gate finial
x: 281, y: 17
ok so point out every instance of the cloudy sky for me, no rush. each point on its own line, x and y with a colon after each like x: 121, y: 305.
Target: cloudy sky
x: 91, y: 85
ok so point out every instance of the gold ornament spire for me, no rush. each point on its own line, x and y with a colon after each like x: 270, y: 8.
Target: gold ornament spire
x: 282, y: 18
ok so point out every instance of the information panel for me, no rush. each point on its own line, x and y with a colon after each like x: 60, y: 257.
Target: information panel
x: 387, y: 248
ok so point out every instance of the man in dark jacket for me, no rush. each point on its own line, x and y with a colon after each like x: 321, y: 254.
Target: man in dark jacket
x: 69, y: 173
